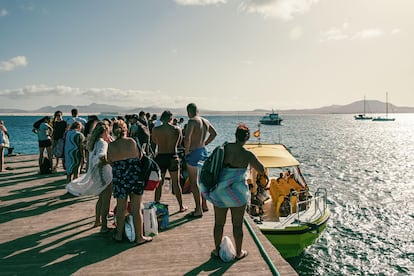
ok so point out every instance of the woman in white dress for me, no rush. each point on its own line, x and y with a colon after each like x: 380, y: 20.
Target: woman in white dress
x: 98, y: 179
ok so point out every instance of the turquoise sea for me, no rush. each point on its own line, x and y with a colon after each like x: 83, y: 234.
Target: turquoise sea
x: 367, y: 168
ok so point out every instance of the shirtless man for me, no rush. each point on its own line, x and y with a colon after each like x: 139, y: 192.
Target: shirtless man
x: 195, y: 151
x: 168, y: 137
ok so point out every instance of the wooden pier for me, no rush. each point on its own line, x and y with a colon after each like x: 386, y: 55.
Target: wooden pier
x: 45, y: 232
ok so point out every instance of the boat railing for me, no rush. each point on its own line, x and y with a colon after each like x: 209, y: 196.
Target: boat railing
x: 319, y: 199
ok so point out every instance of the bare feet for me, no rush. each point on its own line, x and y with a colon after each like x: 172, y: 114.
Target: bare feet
x: 183, y: 209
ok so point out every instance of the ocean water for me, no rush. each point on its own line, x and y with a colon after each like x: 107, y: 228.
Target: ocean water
x: 367, y: 168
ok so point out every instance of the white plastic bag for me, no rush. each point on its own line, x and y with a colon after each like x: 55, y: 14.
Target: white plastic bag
x: 227, y: 252
x: 150, y: 221
x: 129, y: 228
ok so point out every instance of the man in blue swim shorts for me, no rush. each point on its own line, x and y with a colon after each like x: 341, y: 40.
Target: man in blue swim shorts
x: 196, y: 155
x: 195, y: 141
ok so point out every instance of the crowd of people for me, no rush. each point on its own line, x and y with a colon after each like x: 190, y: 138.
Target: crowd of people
x: 102, y: 158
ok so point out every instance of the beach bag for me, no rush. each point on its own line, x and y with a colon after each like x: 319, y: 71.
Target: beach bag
x: 151, y: 173
x: 227, y: 252
x: 45, y: 166
x: 129, y: 228
x: 163, y: 216
x: 150, y: 220
x: 210, y: 171
x: 58, y: 149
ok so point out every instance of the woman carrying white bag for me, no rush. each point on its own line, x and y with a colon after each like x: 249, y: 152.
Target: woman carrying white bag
x: 232, y: 192
x: 124, y: 155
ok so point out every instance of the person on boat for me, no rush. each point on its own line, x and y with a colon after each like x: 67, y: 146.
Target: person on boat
x: 232, y: 191
x: 73, y: 151
x: 125, y: 157
x: 59, y: 129
x: 98, y: 179
x: 281, y: 188
x: 44, y: 133
x: 167, y: 137
x: 195, y: 143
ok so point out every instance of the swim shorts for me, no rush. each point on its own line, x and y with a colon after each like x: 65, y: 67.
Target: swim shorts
x: 196, y: 155
x: 127, y: 178
x: 168, y: 161
x: 45, y: 143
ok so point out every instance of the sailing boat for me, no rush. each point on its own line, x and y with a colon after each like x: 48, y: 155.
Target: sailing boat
x: 383, y: 119
x: 362, y: 116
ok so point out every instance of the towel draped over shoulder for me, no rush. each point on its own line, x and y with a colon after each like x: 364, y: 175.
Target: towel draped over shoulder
x: 231, y: 190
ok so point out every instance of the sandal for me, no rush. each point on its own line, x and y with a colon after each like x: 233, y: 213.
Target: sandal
x: 215, y: 254
x: 148, y: 239
x: 243, y: 254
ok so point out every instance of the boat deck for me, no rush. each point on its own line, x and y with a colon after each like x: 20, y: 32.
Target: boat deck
x: 45, y: 232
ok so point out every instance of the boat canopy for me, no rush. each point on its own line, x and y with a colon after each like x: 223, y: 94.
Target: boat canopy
x: 273, y: 155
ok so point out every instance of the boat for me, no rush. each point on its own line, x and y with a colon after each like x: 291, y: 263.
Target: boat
x: 384, y: 119
x: 363, y: 116
x: 272, y: 118
x: 303, y: 214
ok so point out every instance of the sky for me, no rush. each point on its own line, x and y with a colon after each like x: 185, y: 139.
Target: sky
x: 220, y: 54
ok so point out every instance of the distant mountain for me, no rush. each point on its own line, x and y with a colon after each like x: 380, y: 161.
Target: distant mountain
x: 372, y: 106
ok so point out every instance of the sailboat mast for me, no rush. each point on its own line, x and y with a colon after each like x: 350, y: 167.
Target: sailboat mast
x: 364, y: 105
x: 386, y: 105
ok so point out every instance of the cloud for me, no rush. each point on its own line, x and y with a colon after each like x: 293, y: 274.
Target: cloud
x: 342, y: 33
x: 368, y: 34
x: 61, y: 94
x: 282, y: 9
x: 3, y: 12
x: 13, y: 63
x: 199, y: 2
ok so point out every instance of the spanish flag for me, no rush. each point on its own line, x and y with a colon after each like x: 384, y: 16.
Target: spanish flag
x: 256, y: 133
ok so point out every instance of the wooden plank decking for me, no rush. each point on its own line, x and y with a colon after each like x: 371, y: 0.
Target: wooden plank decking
x: 43, y: 232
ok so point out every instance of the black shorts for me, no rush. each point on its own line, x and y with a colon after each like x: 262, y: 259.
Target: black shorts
x: 168, y: 161
x: 45, y: 143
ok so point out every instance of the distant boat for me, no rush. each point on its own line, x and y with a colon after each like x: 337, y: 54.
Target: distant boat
x: 271, y: 119
x: 363, y: 116
x: 383, y: 119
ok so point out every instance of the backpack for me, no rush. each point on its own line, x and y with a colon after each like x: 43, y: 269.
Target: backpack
x: 45, y: 166
x: 210, y: 171
x: 151, y: 173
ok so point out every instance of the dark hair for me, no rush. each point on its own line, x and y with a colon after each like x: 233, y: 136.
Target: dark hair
x: 57, y: 113
x: 166, y: 116
x: 37, y: 124
x: 192, y: 109
x: 242, y: 133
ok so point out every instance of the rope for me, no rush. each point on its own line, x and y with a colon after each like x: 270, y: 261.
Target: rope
x: 261, y: 248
